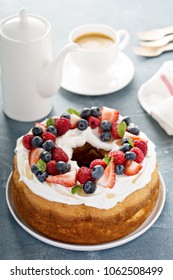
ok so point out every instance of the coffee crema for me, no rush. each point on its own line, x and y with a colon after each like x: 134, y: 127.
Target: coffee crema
x: 94, y: 41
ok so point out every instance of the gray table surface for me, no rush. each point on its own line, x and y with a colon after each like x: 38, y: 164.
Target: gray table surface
x: 64, y: 15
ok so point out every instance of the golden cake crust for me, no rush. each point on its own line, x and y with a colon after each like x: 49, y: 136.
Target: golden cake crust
x: 82, y: 224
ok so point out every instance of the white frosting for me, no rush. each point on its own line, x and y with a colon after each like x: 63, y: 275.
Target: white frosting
x: 102, y: 198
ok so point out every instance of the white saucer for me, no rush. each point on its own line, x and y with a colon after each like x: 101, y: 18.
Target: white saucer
x: 143, y: 228
x: 120, y: 75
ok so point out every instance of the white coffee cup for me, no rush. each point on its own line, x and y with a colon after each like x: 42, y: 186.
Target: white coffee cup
x: 96, y: 62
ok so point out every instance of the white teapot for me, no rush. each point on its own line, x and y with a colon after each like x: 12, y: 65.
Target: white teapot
x: 30, y: 77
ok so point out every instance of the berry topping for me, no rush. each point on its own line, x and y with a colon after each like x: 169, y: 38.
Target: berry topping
x: 65, y: 115
x: 127, y: 120
x: 59, y: 155
x: 105, y: 126
x: 114, y: 130
x: 132, y: 136
x: 46, y: 156
x: 125, y: 148
x: 95, y: 112
x: 67, y: 179
x: 34, y: 155
x: 48, y: 145
x: 63, y: 167
x: 34, y: 169
x: 89, y: 187
x: 41, y: 176
x: 93, y: 122
x: 41, y: 125
x: 118, y: 157
x: 132, y: 168
x: 82, y: 124
x: 130, y: 155
x: 74, y: 120
x: 119, y: 169
x: 52, y: 129
x: 85, y: 113
x: 142, y: 145
x: 51, y: 168
x: 105, y: 136
x: 62, y: 125
x: 98, y: 162
x: 128, y: 140
x: 108, y: 178
x: 109, y: 114
x: 133, y: 129
x: 97, y: 171
x: 84, y: 174
x: 37, y: 130
x: 37, y: 141
x: 48, y: 136
x: 139, y: 154
x: 26, y: 141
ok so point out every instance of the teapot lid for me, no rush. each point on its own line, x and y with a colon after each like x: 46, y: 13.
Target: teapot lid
x: 24, y: 27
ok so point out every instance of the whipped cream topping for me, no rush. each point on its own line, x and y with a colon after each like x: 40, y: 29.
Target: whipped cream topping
x: 102, y: 198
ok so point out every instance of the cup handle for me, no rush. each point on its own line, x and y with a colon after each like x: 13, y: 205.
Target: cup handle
x: 124, y: 38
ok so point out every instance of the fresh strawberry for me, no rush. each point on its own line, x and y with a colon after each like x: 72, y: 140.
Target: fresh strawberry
x: 62, y: 125
x: 26, y: 141
x: 132, y: 136
x: 59, y: 155
x: 48, y: 136
x: 139, y: 154
x: 132, y: 167
x: 41, y: 125
x: 93, y: 122
x: 118, y: 157
x: 74, y: 120
x: 51, y: 168
x: 98, y: 162
x: 34, y: 155
x: 108, y: 178
x: 142, y: 145
x: 109, y: 114
x: 68, y: 179
x: 114, y: 130
x: 84, y: 174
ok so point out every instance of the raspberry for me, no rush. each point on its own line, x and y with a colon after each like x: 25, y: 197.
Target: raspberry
x: 93, y: 122
x: 139, y: 154
x: 26, y: 141
x: 62, y: 125
x: 114, y: 130
x: 118, y: 157
x: 59, y: 155
x: 142, y: 145
x: 51, y: 168
x: 98, y: 162
x: 48, y: 136
x: 84, y: 174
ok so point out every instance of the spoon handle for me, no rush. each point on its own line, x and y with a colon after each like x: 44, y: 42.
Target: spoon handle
x: 154, y: 34
x: 157, y: 43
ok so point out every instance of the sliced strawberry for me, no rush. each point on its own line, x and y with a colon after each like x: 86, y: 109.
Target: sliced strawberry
x: 34, y: 155
x: 108, y: 178
x: 114, y: 130
x: 132, y: 136
x: 132, y: 167
x: 68, y: 179
x: 41, y: 125
x: 74, y: 120
x: 109, y: 114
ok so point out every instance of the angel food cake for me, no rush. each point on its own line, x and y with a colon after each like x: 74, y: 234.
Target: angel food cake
x: 85, y: 177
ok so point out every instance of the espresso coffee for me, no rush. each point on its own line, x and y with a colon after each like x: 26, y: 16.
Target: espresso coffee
x: 94, y: 41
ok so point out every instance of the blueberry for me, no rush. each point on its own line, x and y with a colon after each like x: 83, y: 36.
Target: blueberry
x: 82, y: 124
x: 41, y: 176
x: 37, y: 130
x: 34, y: 169
x: 105, y: 136
x: 119, y: 169
x: 133, y: 129
x: 95, y: 112
x: 126, y: 147
x: 65, y: 115
x: 63, y: 167
x: 52, y: 129
x: 85, y: 113
x: 97, y: 171
x: 106, y: 126
x: 127, y: 120
x: 48, y: 145
x: 46, y: 156
x: 89, y: 187
x: 36, y: 141
x: 127, y: 140
x: 130, y: 155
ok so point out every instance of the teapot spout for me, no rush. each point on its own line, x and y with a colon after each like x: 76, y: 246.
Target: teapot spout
x: 49, y: 80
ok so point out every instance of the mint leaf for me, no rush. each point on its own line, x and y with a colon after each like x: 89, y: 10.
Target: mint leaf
x: 121, y: 129
x: 41, y: 165
x: 107, y: 159
x: 75, y: 189
x: 73, y: 111
x: 50, y: 122
x: 130, y: 141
